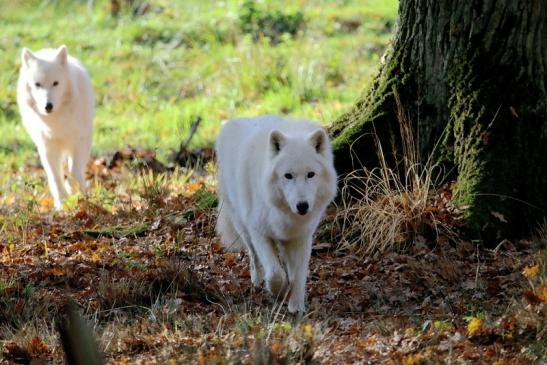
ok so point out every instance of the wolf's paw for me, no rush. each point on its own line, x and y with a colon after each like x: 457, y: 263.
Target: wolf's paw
x: 58, y: 205
x: 69, y: 188
x: 296, y: 305
x: 277, y: 285
x: 256, y: 277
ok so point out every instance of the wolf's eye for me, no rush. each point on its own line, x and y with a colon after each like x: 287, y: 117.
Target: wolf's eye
x: 311, y: 174
x: 37, y: 84
x: 288, y: 176
x: 55, y: 83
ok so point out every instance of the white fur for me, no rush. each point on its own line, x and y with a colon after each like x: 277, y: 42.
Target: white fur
x: 65, y: 132
x: 258, y: 203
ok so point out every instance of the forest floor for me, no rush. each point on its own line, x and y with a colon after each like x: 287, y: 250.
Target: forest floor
x: 139, y: 255
x: 151, y: 278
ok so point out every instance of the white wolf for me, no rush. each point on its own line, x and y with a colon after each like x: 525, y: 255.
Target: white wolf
x: 57, y: 106
x: 275, y: 179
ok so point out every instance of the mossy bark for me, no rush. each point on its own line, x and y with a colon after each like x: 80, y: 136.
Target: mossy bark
x: 471, y: 79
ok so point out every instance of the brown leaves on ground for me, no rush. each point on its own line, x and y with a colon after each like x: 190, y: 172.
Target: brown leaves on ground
x: 149, y: 274
x: 34, y: 352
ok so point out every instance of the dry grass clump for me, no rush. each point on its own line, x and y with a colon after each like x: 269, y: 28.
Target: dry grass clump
x: 383, y: 212
x: 386, y: 207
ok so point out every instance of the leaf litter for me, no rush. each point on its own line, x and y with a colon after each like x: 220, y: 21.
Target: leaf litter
x: 148, y: 272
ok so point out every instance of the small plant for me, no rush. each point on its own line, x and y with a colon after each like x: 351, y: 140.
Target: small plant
x: 206, y: 199
x: 135, y: 7
x: 7, y: 285
x: 271, y: 24
x: 155, y: 188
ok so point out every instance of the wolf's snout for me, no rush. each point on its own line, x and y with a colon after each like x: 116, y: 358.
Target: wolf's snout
x: 302, y: 207
x: 49, y: 107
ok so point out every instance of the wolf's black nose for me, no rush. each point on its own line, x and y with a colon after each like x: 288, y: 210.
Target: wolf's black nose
x: 302, y: 207
x: 49, y: 107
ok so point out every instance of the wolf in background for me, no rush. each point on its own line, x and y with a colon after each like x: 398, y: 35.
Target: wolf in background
x: 57, y: 106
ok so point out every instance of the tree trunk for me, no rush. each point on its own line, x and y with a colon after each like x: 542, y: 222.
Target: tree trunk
x: 471, y: 78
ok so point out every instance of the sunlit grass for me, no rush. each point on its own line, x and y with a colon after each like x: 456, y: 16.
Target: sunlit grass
x: 154, y: 73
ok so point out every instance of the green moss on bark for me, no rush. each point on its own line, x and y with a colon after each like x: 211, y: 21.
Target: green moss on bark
x: 493, y: 153
x: 467, y: 144
x: 473, y: 76
x: 373, y: 117
x: 370, y: 108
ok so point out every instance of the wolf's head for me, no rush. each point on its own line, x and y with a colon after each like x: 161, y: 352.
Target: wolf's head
x: 46, y: 77
x: 302, y: 177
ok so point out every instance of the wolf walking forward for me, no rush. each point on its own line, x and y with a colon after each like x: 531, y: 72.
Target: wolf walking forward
x: 57, y: 106
x: 275, y: 179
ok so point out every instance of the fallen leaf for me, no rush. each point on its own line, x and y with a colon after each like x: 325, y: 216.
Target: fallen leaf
x: 46, y: 203
x: 216, y: 246
x: 193, y: 187
x: 499, y: 216
x: 13, y: 351
x: 56, y: 271
x: 531, y: 297
x: 229, y: 259
x: 307, y: 329
x: 81, y: 214
x: 415, y: 359
x: 530, y: 271
x: 474, y: 326
x: 542, y: 292
x: 37, y: 347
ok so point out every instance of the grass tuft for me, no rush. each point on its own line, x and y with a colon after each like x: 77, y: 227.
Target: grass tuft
x: 387, y: 207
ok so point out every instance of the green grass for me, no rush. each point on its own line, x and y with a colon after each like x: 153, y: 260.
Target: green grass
x: 154, y: 73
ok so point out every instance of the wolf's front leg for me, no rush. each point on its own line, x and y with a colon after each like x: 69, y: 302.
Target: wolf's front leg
x: 274, y: 275
x: 297, y: 256
x: 77, y: 161
x: 257, y: 276
x: 52, y: 163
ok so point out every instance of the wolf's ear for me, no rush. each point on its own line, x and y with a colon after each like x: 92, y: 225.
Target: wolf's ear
x: 277, y: 140
x: 27, y: 56
x: 318, y: 140
x: 62, y: 55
